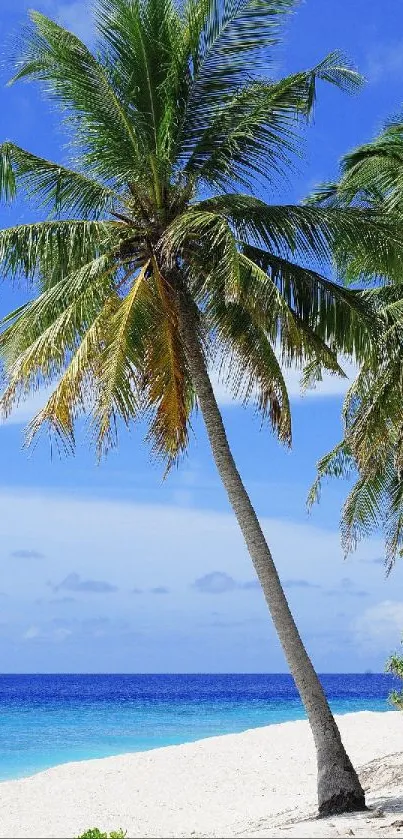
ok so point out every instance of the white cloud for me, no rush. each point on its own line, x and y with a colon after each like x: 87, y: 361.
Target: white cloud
x: 380, y: 625
x: 25, y: 411
x: 31, y: 633
x: 146, y: 545
x: 330, y: 385
x: 61, y: 634
x: 58, y: 633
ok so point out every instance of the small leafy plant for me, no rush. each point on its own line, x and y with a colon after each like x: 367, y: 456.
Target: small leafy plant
x: 395, y: 666
x: 95, y: 833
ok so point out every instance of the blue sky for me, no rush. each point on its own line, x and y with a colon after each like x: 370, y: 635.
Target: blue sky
x: 105, y: 568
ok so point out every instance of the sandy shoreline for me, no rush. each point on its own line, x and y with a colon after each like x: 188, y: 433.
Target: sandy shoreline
x: 260, y: 783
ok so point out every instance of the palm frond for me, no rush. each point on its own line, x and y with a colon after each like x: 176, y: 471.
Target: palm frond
x: 53, y: 249
x: 145, y: 46
x: 249, y: 366
x: 75, y: 392
x: 253, y: 133
x: 364, y: 243
x: 170, y: 391
x: 363, y: 511
x: 51, y: 185
x: 119, y: 394
x: 307, y: 231
x: 296, y: 341
x: 340, y: 317
x: 72, y: 76
x: 370, y: 174
x: 372, y: 412
x: 261, y: 323
x: 37, y: 343
x: 394, y: 521
x: 339, y: 462
x: 370, y: 451
x: 228, y: 40
x: 65, y: 305
x: 191, y: 228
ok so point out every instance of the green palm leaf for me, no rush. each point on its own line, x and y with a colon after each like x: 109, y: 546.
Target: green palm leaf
x: 249, y: 366
x: 340, y: 317
x: 145, y: 46
x: 102, y: 125
x: 52, y: 185
x: 52, y: 249
x: 253, y: 133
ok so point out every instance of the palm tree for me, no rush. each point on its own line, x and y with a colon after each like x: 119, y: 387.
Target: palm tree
x: 372, y: 177
x: 150, y: 266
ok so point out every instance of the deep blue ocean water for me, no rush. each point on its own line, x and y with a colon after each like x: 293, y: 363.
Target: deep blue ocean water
x: 47, y: 720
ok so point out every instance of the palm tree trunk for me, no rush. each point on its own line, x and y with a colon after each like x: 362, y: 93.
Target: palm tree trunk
x: 339, y: 789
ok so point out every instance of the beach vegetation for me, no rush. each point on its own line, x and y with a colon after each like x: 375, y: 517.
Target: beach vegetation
x: 372, y: 446
x: 395, y: 666
x: 155, y: 261
x: 95, y: 833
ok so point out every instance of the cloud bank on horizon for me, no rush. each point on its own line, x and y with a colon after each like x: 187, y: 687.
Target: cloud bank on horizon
x: 206, y: 607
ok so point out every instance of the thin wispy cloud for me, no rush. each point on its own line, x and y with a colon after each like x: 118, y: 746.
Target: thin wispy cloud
x: 300, y: 583
x: 219, y: 582
x: 378, y: 560
x: 25, y: 411
x: 73, y: 582
x: 26, y: 553
x: 62, y: 629
x: 347, y: 587
x: 61, y: 601
x: 380, y: 625
x: 55, y: 633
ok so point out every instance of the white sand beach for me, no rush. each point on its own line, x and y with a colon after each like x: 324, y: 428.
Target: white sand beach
x: 260, y: 783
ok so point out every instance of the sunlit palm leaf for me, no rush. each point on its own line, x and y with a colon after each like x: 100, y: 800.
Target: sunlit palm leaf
x: 74, y: 393
x: 53, y: 249
x: 123, y: 353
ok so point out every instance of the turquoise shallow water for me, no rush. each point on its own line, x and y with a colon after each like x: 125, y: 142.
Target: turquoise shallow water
x: 47, y: 720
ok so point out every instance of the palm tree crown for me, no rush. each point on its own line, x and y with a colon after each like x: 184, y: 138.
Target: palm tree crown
x: 372, y: 177
x: 166, y: 121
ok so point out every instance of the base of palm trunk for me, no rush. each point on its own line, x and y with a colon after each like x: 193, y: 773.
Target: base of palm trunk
x: 339, y: 790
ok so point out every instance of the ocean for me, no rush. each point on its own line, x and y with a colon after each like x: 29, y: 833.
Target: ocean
x: 51, y: 719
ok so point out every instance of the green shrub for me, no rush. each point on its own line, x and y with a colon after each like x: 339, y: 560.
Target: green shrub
x: 95, y: 833
x: 395, y: 666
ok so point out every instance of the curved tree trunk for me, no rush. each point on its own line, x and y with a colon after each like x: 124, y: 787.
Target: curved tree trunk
x: 339, y: 789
